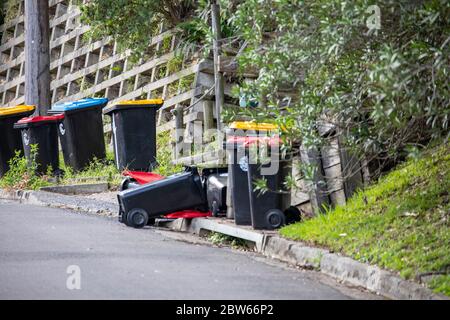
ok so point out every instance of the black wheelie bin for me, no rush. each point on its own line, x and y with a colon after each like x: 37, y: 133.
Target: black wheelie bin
x: 216, y: 183
x: 81, y: 131
x: 270, y: 209
x: 134, y: 133
x: 41, y: 131
x: 10, y: 139
x: 237, y: 135
x: 177, y: 192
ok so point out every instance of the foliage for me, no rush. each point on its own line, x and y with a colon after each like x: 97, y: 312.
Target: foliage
x: 221, y: 239
x: 10, y: 10
x: 22, y: 173
x: 164, y: 155
x: 401, y: 223
x: 196, y: 31
x: 133, y: 23
x: 384, y: 89
x: 97, y: 168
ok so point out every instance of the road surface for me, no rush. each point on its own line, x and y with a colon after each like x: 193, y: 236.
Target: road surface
x: 48, y: 253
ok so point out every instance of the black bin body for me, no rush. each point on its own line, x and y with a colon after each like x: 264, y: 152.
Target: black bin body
x: 10, y: 138
x: 43, y: 132
x: 216, y: 193
x: 177, y: 192
x: 81, y: 131
x: 268, y: 210
x: 238, y: 168
x: 134, y: 133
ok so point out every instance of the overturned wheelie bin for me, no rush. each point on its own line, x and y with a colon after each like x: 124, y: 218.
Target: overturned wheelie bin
x: 177, y: 192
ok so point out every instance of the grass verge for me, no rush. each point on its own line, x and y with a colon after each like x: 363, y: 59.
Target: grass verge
x: 400, y: 223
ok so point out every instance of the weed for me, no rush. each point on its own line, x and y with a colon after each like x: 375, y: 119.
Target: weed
x: 22, y: 173
x: 221, y: 239
x: 164, y: 155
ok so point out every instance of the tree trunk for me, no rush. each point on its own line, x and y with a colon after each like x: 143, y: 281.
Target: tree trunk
x: 37, y: 55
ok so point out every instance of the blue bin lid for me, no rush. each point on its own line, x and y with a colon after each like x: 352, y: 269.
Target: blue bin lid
x: 80, y: 104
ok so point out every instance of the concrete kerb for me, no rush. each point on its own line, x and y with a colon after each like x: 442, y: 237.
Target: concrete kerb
x: 57, y: 200
x: 342, y: 268
x: 75, y: 189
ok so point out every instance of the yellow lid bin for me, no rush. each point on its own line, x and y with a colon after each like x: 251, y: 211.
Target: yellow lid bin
x: 11, y: 111
x: 252, y: 125
x: 10, y: 138
x: 133, y: 124
x: 140, y: 102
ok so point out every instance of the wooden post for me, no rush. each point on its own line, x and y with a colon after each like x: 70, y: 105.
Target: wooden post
x: 179, y: 125
x: 318, y: 191
x: 208, y: 119
x: 218, y: 77
x: 37, y: 55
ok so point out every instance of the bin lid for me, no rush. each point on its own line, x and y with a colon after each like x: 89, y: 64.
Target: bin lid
x: 80, y: 104
x: 141, y: 102
x: 252, y: 125
x: 128, y: 104
x: 38, y: 120
x: 11, y: 111
x: 247, y: 141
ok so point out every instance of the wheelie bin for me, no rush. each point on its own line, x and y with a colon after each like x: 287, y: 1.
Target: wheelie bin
x: 43, y: 132
x: 237, y: 138
x: 81, y: 131
x: 271, y: 209
x: 216, y: 184
x: 10, y: 139
x: 134, y: 133
x: 177, y: 192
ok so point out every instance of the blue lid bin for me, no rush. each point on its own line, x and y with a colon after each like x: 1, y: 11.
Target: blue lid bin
x: 81, y: 131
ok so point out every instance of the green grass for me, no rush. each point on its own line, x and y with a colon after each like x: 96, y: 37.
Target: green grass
x: 97, y: 168
x: 400, y: 223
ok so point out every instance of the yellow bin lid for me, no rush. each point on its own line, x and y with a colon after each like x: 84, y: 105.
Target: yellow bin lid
x: 140, y: 102
x: 130, y: 104
x: 8, y: 111
x: 252, y: 125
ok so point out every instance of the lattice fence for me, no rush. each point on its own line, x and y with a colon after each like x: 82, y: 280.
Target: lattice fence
x: 81, y: 67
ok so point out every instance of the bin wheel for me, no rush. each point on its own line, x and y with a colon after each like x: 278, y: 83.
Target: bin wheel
x: 137, y: 218
x: 215, y: 209
x: 122, y: 216
x: 275, y: 218
x: 124, y: 184
x: 293, y: 214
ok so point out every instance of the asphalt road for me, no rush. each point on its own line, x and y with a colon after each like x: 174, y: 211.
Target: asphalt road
x: 38, y: 244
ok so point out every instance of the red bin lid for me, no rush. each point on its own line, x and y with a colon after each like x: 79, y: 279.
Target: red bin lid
x: 249, y: 140
x: 37, y: 119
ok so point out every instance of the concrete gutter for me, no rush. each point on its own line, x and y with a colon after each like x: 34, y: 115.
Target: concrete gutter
x: 268, y: 243
x: 56, y: 200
